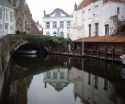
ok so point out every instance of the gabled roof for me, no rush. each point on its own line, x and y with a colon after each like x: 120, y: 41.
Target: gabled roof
x: 57, y: 10
x: 107, y: 38
x: 85, y: 3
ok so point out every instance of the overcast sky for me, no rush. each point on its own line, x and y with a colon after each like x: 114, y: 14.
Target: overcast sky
x: 38, y: 6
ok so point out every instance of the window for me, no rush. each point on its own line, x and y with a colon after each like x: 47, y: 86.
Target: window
x: 55, y: 75
x: 96, y: 82
x: 106, y: 29
x: 54, y: 33
x: 105, y: 85
x: 62, y: 75
x: 11, y: 27
x: 1, y: 29
x: 6, y: 14
x: 118, y: 10
x: 89, y: 79
x: 61, y: 34
x: 57, y: 14
x: 105, y: 1
x: 48, y: 75
x: 61, y: 24
x: 96, y: 6
x: 89, y: 9
x: 11, y: 16
x: 48, y: 25
x: 96, y: 29
x: 47, y: 33
x: 0, y: 13
x: 54, y: 24
x: 89, y: 30
x: 6, y: 26
x: 68, y: 24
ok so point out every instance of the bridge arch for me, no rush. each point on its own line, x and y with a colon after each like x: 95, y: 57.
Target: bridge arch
x: 26, y: 46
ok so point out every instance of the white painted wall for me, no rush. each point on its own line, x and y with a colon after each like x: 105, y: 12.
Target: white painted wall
x: 96, y: 12
x: 7, y: 26
x: 51, y: 30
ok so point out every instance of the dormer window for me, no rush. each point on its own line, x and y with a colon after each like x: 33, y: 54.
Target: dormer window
x: 58, y: 14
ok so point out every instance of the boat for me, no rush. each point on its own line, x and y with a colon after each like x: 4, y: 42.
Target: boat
x: 30, y: 52
x: 122, y: 57
x: 123, y: 72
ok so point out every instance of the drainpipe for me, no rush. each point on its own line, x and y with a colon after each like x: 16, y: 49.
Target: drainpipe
x: 82, y: 34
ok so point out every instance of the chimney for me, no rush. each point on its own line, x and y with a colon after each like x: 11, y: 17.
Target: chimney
x: 75, y: 7
x: 44, y: 13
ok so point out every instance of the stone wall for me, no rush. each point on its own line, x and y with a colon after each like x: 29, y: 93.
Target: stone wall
x: 7, y: 45
x: 24, y: 20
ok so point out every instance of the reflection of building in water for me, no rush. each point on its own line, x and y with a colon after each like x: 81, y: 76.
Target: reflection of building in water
x: 92, y: 89
x: 58, y: 78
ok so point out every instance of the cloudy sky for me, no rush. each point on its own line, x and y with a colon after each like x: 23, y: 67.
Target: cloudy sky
x: 38, y: 6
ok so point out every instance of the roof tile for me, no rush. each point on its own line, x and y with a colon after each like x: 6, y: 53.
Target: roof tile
x: 107, y: 38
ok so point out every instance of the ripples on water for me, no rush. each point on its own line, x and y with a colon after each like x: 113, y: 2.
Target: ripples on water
x: 64, y: 80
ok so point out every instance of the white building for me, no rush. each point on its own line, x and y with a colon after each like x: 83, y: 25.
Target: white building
x: 7, y: 21
x: 97, y: 18
x: 58, y: 78
x: 57, y: 23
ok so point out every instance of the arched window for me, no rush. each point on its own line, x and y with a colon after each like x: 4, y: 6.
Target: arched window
x: 62, y: 34
x: 47, y: 33
x: 54, y: 33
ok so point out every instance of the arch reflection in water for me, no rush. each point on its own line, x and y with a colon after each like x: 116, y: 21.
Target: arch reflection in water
x: 53, y: 80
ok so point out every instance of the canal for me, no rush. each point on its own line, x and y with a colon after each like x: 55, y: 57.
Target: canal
x: 54, y: 79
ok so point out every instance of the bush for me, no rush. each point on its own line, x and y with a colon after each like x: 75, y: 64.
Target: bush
x: 49, y: 41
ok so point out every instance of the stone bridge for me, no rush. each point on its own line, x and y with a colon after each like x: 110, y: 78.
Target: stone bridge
x: 8, y: 44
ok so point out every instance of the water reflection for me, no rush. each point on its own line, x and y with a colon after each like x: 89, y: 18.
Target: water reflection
x: 64, y: 80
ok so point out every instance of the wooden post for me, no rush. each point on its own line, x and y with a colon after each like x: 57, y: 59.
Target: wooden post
x: 124, y: 47
x: 113, y: 51
x: 106, y: 52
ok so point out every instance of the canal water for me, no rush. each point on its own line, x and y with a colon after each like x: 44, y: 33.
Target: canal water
x: 54, y: 79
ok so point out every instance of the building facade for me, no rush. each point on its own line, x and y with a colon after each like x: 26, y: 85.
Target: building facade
x: 7, y: 18
x: 23, y: 17
x: 58, y: 78
x: 57, y: 23
x: 97, y: 18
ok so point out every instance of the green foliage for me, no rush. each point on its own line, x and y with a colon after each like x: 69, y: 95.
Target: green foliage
x: 52, y: 41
